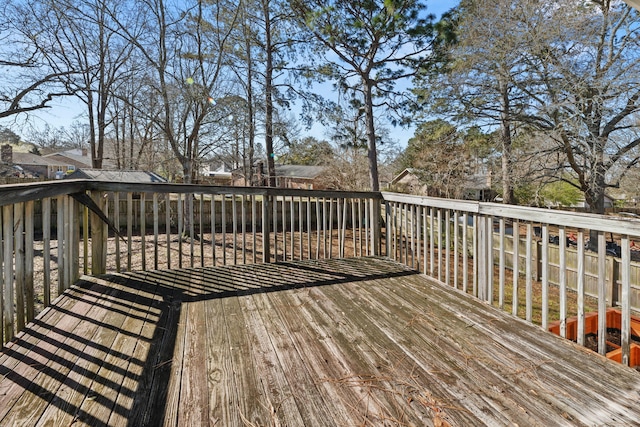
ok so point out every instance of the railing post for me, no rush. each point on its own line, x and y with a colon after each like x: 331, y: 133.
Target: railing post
x: 7, y: 296
x: 387, y: 227
x: 74, y: 210
x: 484, y: 256
x: 60, y: 240
x: 613, y: 291
x: 266, y: 224
x: 375, y: 227
x: 98, y: 238
x: 538, y: 260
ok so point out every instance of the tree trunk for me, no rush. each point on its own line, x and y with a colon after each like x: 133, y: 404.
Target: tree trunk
x: 371, y: 137
x: 505, y: 139
x: 250, y: 114
x: 271, y: 167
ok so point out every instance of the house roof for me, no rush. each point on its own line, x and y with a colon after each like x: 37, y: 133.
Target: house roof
x: 397, y: 178
x: 30, y: 159
x: 299, y: 171
x: 474, y: 182
x: 74, y: 159
x: 116, y: 175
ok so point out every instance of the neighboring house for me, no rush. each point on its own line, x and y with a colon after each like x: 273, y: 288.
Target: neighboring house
x: 116, y: 175
x: 216, y: 173
x: 407, y: 181
x: 609, y: 203
x: 77, y: 157
x: 287, y: 176
x: 298, y: 176
x: 42, y: 167
x: 80, y: 158
x: 476, y: 187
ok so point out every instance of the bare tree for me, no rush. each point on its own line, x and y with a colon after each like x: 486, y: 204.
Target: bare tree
x: 184, y: 48
x: 479, y: 84
x: 586, y: 90
x: 30, y: 78
x: 78, y: 35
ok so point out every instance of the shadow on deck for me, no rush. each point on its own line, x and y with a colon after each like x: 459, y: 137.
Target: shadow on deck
x: 334, y: 342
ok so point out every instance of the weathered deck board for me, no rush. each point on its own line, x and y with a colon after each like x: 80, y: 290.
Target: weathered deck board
x: 323, y: 343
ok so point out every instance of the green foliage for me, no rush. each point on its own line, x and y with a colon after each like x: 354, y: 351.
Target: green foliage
x: 309, y: 152
x: 575, y: 86
x: 428, y: 136
x: 560, y: 193
x: 373, y: 45
x: 524, y: 193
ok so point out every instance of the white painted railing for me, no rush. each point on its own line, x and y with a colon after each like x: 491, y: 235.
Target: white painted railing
x: 470, y: 246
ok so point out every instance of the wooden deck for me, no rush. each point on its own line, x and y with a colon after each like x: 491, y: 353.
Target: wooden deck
x: 356, y: 342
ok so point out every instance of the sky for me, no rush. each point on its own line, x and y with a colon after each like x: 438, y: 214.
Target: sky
x: 65, y: 112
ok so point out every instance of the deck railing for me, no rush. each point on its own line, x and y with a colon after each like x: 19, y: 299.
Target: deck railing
x: 52, y: 233
x: 477, y: 247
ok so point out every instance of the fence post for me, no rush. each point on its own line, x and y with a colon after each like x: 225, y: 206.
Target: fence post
x: 74, y: 210
x: 8, y: 310
x: 612, y: 289
x: 538, y: 260
x: 387, y: 228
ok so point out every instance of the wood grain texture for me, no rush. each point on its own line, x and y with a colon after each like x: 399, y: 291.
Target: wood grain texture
x: 361, y: 341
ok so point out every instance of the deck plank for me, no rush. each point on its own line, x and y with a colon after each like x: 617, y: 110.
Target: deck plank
x: 66, y: 409
x: 334, y: 342
x: 63, y: 353
x: 363, y: 373
x: 247, y: 387
x: 193, y: 402
x: 311, y: 403
x: 120, y: 335
x: 19, y: 349
x: 276, y: 397
x: 444, y: 371
x: 158, y: 362
x: 222, y: 383
x: 135, y: 364
x: 530, y: 368
x: 319, y: 360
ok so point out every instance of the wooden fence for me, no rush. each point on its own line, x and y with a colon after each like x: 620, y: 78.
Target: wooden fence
x: 613, y: 269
